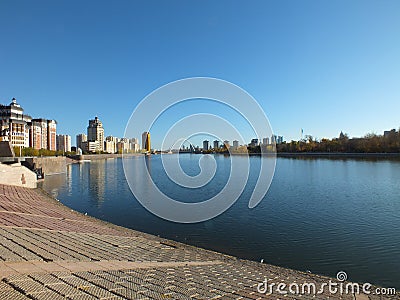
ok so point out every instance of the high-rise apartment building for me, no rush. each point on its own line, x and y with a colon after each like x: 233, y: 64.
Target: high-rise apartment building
x: 64, y: 143
x: 38, y: 134
x: 23, y: 131
x: 95, y: 132
x: 110, y: 144
x: 205, y: 145
x: 134, y: 145
x: 123, y: 145
x: 216, y: 144
x: 51, y: 135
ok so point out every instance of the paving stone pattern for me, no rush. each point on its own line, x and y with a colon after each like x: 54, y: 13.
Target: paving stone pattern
x: 48, y: 251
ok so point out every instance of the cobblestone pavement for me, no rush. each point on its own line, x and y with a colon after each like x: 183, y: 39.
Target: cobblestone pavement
x: 48, y: 251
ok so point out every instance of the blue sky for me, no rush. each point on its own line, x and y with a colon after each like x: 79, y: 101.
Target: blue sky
x: 324, y: 66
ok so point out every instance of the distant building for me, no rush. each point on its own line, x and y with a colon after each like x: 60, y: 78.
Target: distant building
x: 134, y: 145
x: 265, y: 141
x: 146, y: 143
x: 253, y: 143
x: 123, y: 145
x: 90, y: 147
x: 235, y: 144
x: 273, y: 139
x: 51, y: 135
x: 80, y: 138
x: 110, y: 144
x: 63, y: 143
x: 38, y: 134
x: 95, y: 132
x: 14, y: 124
x: 279, y: 139
x: 389, y: 133
x: 205, y: 145
x: 216, y: 144
x: 23, y: 131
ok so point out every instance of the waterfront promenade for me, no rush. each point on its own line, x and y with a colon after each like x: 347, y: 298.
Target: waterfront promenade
x: 48, y: 251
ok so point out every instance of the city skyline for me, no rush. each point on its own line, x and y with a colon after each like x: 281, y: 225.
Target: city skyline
x: 337, y: 76
x: 41, y: 133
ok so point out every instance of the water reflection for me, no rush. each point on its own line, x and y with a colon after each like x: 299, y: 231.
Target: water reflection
x: 97, y: 180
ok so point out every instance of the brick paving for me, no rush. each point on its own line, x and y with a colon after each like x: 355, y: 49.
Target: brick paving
x: 48, y: 251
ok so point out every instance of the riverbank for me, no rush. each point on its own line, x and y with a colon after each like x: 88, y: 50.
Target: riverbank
x: 48, y: 251
x: 338, y: 154
x: 323, y: 155
x: 78, y: 158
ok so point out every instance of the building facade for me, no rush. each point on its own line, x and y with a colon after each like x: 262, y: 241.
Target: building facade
x: 134, y: 145
x: 205, y: 145
x: 90, y: 147
x: 14, y: 124
x: 123, y: 145
x: 95, y: 132
x: 38, y: 134
x: 51, y: 135
x: 64, y: 143
x: 216, y: 144
x: 80, y: 138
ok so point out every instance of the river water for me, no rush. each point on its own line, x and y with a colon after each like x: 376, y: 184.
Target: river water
x: 321, y: 215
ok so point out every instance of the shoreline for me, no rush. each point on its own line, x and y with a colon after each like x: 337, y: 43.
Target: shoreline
x: 47, y: 239
x: 338, y: 154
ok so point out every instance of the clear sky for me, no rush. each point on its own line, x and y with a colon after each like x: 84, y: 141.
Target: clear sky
x: 324, y: 66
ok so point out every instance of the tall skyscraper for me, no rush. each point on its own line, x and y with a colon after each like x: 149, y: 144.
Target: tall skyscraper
x: 235, y: 144
x: 216, y: 144
x: 146, y: 143
x: 205, y: 145
x: 95, y: 132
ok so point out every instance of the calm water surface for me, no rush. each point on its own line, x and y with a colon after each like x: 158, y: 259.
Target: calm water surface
x: 321, y: 215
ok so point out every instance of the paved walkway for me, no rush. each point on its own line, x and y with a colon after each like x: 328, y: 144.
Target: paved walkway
x: 48, y: 251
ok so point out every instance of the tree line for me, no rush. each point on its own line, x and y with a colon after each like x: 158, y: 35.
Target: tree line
x: 28, y: 151
x: 370, y: 143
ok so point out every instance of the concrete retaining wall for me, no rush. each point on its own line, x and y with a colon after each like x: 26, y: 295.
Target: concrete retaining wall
x: 49, y: 164
x: 16, y: 174
x: 105, y: 156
